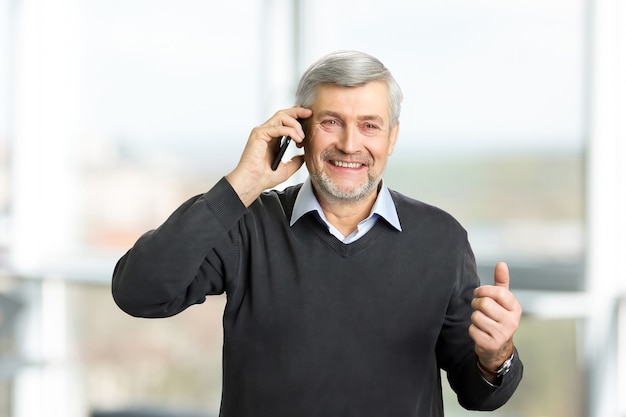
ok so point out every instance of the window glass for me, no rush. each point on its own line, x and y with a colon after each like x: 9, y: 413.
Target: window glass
x: 127, y: 363
x: 553, y: 383
x: 5, y: 94
x: 492, y: 127
x: 172, y: 91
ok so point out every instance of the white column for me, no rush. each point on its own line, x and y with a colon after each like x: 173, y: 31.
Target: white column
x: 621, y: 357
x: 46, y: 124
x: 47, y: 383
x: 44, y: 206
x: 606, y: 203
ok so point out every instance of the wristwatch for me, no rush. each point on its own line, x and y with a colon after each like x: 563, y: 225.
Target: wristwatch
x: 502, y: 370
x: 505, y: 367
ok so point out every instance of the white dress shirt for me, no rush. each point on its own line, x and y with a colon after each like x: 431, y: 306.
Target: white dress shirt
x: 383, y: 207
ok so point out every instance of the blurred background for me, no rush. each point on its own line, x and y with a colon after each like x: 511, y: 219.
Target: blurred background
x: 112, y: 113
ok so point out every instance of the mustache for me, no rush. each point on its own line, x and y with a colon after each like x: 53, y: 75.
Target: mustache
x: 337, y: 155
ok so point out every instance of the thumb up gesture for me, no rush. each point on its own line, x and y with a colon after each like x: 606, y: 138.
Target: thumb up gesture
x: 495, y: 319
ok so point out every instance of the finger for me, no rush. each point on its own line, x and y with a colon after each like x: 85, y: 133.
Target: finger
x: 294, y: 115
x: 488, y: 333
x: 483, y: 321
x: 483, y: 340
x: 287, y: 123
x: 273, y: 130
x: 302, y: 112
x: 490, y: 308
x: 494, y: 318
x: 501, y: 275
x: 497, y: 303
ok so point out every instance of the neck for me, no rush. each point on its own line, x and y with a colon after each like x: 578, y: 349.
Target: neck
x: 345, y: 215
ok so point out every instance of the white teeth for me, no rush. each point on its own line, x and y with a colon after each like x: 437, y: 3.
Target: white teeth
x: 346, y: 164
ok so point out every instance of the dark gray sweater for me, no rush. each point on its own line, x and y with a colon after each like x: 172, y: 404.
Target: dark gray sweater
x: 312, y: 326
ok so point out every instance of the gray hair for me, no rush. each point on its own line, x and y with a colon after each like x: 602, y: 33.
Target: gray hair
x: 348, y: 69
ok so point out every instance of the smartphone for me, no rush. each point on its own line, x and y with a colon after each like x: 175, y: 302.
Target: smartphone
x: 284, y: 142
x: 282, y: 147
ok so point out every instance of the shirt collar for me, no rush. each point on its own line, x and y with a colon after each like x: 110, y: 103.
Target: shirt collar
x: 307, y: 202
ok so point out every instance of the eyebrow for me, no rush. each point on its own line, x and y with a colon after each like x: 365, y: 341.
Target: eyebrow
x: 374, y: 117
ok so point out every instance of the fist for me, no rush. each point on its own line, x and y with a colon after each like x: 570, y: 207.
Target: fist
x: 495, y: 319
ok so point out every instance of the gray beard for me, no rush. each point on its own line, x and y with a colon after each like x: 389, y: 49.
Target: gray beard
x: 325, y: 186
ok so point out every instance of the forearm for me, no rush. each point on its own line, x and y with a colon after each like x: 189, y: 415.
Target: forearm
x: 474, y: 392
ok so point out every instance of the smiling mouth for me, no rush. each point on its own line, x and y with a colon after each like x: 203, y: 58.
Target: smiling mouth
x: 343, y: 164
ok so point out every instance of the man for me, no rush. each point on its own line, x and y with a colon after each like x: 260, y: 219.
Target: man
x: 344, y: 298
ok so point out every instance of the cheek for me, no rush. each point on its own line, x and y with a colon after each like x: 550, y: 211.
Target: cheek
x: 313, y: 146
x: 381, y: 151
x: 385, y: 148
x: 309, y: 153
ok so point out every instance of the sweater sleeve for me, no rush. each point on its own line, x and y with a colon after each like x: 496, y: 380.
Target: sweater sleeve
x: 456, y: 352
x: 191, y: 255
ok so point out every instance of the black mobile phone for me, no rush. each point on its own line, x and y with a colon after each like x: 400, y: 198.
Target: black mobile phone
x: 282, y: 147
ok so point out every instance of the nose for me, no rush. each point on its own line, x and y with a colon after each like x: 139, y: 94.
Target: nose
x: 349, y: 140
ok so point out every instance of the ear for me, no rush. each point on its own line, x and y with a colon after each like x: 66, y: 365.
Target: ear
x: 393, y: 138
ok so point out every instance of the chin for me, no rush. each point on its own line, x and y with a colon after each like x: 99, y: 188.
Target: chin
x: 352, y: 193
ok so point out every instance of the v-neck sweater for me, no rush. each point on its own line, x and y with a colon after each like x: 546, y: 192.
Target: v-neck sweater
x: 313, y: 326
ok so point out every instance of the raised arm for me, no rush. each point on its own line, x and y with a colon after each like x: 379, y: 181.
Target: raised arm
x: 469, y: 342
x: 194, y: 252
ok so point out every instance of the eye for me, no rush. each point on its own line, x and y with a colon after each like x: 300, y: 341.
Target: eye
x: 370, y: 128
x: 330, y: 124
